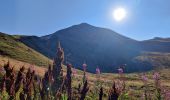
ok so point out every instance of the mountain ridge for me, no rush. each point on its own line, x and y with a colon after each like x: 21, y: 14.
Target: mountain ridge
x: 98, y: 41
x: 99, y: 47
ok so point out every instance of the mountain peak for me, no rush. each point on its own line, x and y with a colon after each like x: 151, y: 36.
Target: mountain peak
x: 160, y: 39
x: 84, y: 24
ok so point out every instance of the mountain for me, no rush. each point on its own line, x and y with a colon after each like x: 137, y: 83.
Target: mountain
x: 94, y: 45
x: 157, y: 44
x: 84, y: 43
x: 10, y: 46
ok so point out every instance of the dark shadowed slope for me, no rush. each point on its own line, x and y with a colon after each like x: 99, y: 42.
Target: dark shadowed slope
x: 102, y: 47
x: 93, y: 45
x: 157, y: 45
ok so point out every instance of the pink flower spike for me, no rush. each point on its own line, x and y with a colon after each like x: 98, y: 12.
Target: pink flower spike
x: 97, y: 70
x: 156, y: 76
x: 144, y: 78
x: 120, y: 70
x: 84, y: 66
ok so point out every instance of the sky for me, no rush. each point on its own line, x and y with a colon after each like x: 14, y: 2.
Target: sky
x: 145, y: 19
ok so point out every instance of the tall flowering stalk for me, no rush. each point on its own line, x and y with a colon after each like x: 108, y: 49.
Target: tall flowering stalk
x: 3, y: 84
x: 47, y: 83
x: 58, y: 95
x: 28, y: 85
x: 98, y: 74
x: 118, y: 88
x: 69, y: 81
x: 145, y: 80
x: 84, y: 90
x: 36, y: 84
x: 84, y: 72
x: 156, y: 77
x: 3, y: 93
x: 12, y: 87
x: 97, y: 70
x: 113, y: 93
x: 9, y: 80
x: 57, y: 69
x: 98, y: 84
x: 101, y: 93
x: 2, y: 70
x: 167, y: 95
x: 7, y: 69
x: 84, y: 66
x: 20, y: 78
x: 120, y: 83
x: 120, y: 72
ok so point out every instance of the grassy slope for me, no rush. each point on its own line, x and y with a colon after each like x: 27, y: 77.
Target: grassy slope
x: 11, y: 47
x: 133, y: 80
x: 157, y: 59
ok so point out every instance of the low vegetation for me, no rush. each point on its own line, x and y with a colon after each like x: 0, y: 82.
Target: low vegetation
x: 80, y: 85
x: 61, y: 82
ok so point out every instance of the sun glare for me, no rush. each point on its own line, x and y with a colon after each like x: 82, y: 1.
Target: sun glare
x: 119, y: 14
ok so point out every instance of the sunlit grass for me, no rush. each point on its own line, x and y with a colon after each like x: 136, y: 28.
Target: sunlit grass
x: 133, y: 80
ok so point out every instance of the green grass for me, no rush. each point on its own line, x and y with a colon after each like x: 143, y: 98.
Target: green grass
x: 10, y: 46
x: 133, y: 81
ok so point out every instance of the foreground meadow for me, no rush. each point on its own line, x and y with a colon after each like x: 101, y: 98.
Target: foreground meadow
x: 152, y: 85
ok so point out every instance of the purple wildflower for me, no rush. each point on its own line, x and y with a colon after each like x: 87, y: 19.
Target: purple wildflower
x: 84, y: 66
x: 120, y: 70
x: 84, y: 69
x: 97, y: 70
x: 156, y: 76
x: 144, y: 78
x: 167, y: 95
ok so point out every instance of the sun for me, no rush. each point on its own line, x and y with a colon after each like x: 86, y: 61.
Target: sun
x: 119, y: 14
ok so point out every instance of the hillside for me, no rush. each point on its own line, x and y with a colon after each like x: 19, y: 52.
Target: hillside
x: 11, y: 47
x: 99, y: 47
x: 158, y: 60
x: 93, y: 45
x: 156, y: 44
x: 133, y: 81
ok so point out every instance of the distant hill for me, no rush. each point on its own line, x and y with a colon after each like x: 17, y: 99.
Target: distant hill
x: 94, y: 45
x: 11, y: 47
x: 157, y: 44
x: 101, y: 47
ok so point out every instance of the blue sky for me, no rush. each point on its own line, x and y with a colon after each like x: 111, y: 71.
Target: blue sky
x: 145, y: 18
